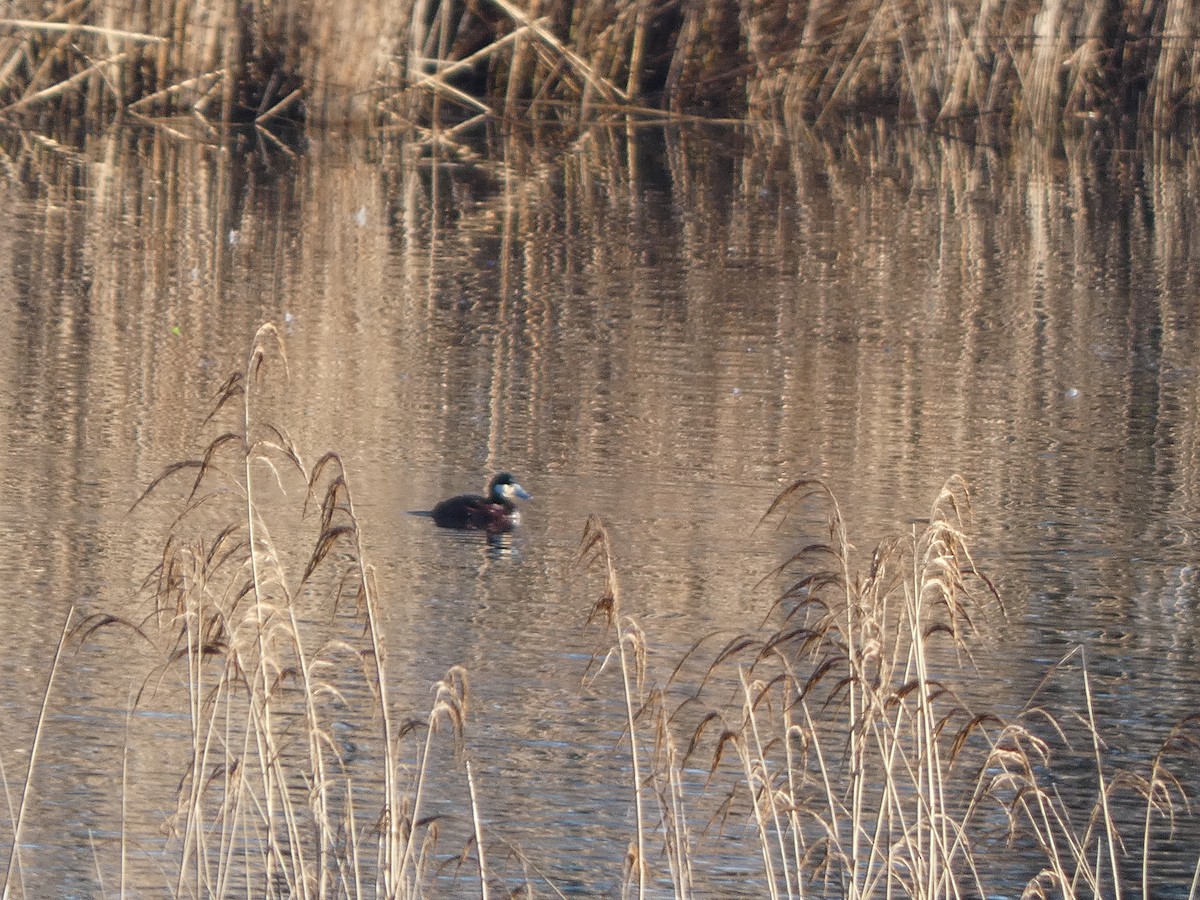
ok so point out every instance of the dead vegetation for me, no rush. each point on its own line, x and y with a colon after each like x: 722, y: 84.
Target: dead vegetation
x: 266, y: 649
x: 449, y: 64
x: 849, y: 754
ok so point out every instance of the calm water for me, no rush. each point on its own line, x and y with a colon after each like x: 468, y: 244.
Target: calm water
x: 663, y: 333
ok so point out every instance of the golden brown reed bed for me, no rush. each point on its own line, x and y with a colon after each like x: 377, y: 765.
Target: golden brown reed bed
x: 849, y: 753
x: 418, y: 63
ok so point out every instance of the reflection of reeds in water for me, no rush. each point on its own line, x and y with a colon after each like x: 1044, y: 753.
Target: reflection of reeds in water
x: 407, y: 63
x: 603, y: 251
x: 850, y: 756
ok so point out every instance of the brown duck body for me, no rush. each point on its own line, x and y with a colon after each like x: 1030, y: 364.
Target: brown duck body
x: 494, y: 513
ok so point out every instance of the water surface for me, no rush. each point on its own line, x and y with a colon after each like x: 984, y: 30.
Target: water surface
x: 663, y: 332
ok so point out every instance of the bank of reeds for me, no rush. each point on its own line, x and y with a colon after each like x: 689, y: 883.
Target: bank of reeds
x: 270, y: 641
x: 850, y: 756
x: 421, y: 63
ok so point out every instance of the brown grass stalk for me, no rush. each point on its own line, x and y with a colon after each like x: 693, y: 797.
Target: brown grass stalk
x: 14, y: 851
x: 630, y: 650
x: 74, y: 28
x: 478, y: 826
x: 601, y: 85
x: 68, y: 84
x: 1111, y: 835
x: 668, y: 779
x: 202, y: 83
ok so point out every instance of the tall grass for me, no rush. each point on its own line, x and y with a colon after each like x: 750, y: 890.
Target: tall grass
x: 851, y: 757
x: 273, y: 649
x: 14, y: 875
x: 446, y: 63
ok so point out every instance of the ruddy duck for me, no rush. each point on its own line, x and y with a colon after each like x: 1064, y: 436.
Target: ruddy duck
x: 494, y: 513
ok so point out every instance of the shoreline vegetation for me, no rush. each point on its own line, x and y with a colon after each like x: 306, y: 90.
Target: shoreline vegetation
x: 831, y: 744
x: 452, y: 64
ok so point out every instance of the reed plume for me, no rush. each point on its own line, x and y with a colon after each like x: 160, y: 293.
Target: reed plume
x: 273, y: 651
x: 846, y: 750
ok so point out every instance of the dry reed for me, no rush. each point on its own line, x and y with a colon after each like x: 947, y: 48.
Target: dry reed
x: 849, y: 755
x: 630, y: 650
x: 437, y: 63
x: 18, y: 817
x: 271, y: 651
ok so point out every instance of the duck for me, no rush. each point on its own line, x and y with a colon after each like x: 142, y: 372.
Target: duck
x: 494, y: 512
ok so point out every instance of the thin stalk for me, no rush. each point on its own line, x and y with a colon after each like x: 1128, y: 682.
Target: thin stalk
x: 352, y: 840
x: 678, y: 838
x: 483, y: 875
x: 763, y: 835
x: 14, y: 853
x: 634, y: 756
x: 72, y: 28
x: 857, y: 761
x: 1109, y: 826
x: 470, y: 60
x: 235, y: 784
x: 319, y: 791
x: 767, y: 786
x: 280, y: 107
x: 926, y: 744
x: 602, y: 85
x: 260, y: 683
x: 125, y: 797
x: 418, y: 796
x: 888, y: 744
x: 834, y: 827
x: 391, y: 770
x: 63, y: 86
x: 633, y: 83
x: 627, y: 632
x: 201, y: 83
x: 793, y: 788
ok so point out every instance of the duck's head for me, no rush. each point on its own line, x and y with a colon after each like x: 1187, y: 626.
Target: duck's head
x: 504, y: 489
